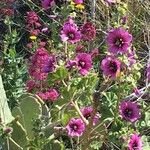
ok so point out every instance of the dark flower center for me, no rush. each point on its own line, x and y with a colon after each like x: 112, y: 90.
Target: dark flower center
x: 135, y: 146
x: 82, y: 64
x: 87, y: 116
x: 119, y: 42
x: 128, y: 112
x: 113, y: 66
x: 71, y: 35
x: 74, y: 127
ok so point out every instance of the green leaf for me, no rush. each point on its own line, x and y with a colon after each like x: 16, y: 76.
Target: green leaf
x: 45, y: 109
x: 110, y: 98
x: 12, y: 53
x: 29, y: 110
x: 147, y: 118
x: 19, y: 134
x: 13, y: 144
x: 60, y: 74
x: 96, y: 145
x: 57, y: 145
x: 146, y: 144
x: 65, y: 119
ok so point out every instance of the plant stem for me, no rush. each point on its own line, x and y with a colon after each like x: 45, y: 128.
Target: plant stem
x: 93, y: 3
x: 8, y: 146
x: 17, y: 145
x: 79, y: 112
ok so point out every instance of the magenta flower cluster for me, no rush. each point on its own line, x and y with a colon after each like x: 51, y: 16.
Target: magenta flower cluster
x: 7, y: 10
x: 30, y: 85
x: 88, y: 31
x: 50, y: 95
x: 119, y: 42
x: 71, y: 33
x: 41, y: 64
x: 76, y: 127
x: 33, y: 23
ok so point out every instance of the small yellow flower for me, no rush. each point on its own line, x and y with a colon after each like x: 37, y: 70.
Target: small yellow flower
x: 73, y: 14
x: 80, y: 6
x: 33, y: 37
x: 72, y: 3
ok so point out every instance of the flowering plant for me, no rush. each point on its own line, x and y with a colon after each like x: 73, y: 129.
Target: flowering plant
x: 76, y: 75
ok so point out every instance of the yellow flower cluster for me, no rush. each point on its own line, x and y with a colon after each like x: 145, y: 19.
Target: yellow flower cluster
x: 33, y: 37
x: 78, y: 6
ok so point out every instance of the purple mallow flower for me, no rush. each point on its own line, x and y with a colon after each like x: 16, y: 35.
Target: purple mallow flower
x: 129, y: 111
x: 148, y: 71
x: 8, y: 130
x: 44, y: 30
x: 75, y: 127
x: 118, y: 40
x: 136, y: 91
x: 80, y: 49
x: 70, y: 32
x: 87, y: 113
x: 135, y: 142
x: 110, y: 1
x: 47, y: 3
x: 124, y: 20
x: 131, y: 57
x: 78, y: 1
x: 70, y: 64
x: 50, y: 64
x: 84, y: 63
x: 111, y: 66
